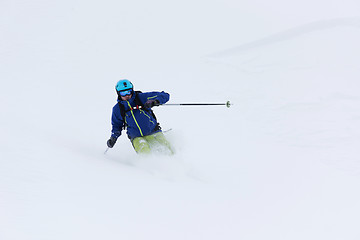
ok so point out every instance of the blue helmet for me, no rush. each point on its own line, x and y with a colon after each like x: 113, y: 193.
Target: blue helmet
x: 123, y: 85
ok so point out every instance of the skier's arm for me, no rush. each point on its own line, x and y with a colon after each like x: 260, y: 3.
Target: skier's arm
x: 117, y: 122
x: 117, y: 125
x: 160, y: 97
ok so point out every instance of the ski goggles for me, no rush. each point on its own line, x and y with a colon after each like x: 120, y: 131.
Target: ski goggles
x: 125, y: 93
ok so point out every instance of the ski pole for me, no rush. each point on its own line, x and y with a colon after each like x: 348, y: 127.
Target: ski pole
x: 106, y: 150
x: 227, y: 104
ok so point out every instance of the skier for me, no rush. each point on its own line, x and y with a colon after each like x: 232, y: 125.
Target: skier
x: 133, y: 112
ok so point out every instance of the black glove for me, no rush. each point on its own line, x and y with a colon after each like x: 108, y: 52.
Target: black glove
x: 151, y: 103
x: 111, y: 142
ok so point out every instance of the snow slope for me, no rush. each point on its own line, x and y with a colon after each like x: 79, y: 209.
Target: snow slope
x: 281, y: 163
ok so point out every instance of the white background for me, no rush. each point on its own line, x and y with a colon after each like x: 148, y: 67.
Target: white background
x: 282, y: 163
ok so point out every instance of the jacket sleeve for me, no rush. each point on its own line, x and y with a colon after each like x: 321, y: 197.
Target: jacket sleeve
x: 162, y: 97
x: 117, y: 122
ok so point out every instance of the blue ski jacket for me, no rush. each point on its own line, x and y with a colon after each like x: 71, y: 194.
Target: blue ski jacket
x: 139, y: 122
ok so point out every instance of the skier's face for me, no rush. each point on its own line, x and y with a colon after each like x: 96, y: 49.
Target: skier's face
x: 126, y: 98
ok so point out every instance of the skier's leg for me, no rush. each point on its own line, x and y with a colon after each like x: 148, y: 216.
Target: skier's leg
x: 160, y: 138
x: 141, y: 146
